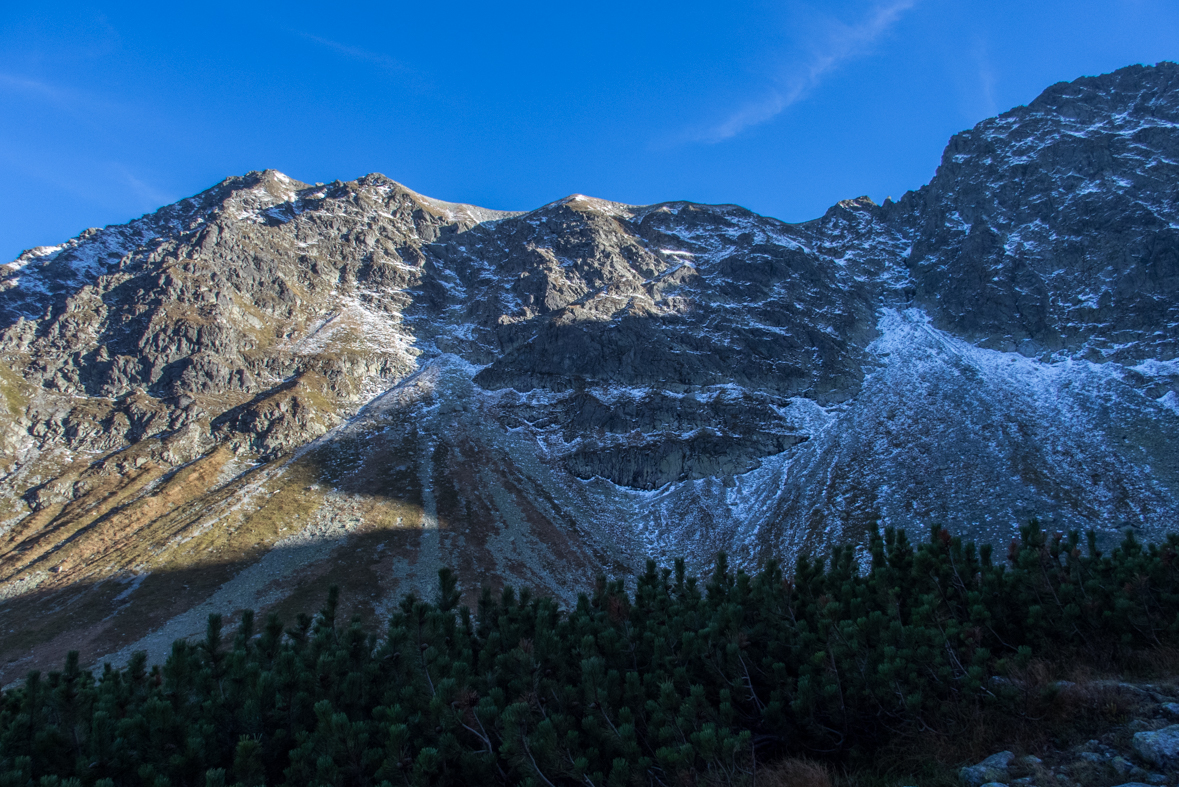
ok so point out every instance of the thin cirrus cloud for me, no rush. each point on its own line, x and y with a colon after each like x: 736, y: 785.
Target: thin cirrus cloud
x: 83, y: 174
x: 413, y: 79
x: 383, y: 62
x: 843, y: 42
x: 79, y: 105
x: 60, y: 98
x: 988, y: 105
x: 148, y: 195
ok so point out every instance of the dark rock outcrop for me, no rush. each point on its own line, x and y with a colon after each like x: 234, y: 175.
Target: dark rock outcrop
x: 248, y: 385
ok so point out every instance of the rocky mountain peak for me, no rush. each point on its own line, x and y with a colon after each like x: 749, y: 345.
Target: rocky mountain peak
x: 864, y: 202
x: 1136, y: 89
x: 274, y: 381
x: 1059, y: 215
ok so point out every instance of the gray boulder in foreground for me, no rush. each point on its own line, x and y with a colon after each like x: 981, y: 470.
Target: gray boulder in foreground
x: 1159, y: 747
x: 991, y: 770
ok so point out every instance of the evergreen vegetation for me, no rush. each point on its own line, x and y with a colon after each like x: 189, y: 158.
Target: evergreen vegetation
x: 677, y: 682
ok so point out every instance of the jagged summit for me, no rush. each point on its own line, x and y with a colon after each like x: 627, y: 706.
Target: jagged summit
x: 1064, y: 209
x: 582, y: 203
x: 857, y: 202
x: 274, y: 382
x: 1127, y: 88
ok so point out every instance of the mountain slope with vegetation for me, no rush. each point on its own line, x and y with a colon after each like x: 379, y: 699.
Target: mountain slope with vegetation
x: 275, y: 385
x: 939, y: 649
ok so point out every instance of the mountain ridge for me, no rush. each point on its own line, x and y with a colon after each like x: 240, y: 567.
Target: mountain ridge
x: 273, y: 381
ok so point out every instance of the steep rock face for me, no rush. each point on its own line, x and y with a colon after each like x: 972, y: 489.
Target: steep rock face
x: 273, y: 385
x: 694, y: 299
x: 1051, y: 228
x: 225, y: 297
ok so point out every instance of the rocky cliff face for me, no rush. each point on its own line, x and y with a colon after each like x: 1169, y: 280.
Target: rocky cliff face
x: 1051, y: 228
x: 273, y: 385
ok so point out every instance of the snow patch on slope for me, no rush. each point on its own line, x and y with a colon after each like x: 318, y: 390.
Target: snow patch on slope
x: 942, y: 429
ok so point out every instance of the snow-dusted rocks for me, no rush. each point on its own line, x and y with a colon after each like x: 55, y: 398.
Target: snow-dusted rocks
x: 274, y: 381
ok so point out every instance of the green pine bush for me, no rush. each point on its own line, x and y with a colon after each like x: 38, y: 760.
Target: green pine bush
x: 673, y: 681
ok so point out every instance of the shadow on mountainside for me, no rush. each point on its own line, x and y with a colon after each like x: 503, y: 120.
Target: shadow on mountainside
x: 365, y: 512
x: 105, y: 618
x: 683, y: 299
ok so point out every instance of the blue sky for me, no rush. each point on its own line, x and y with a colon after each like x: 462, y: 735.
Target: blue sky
x: 109, y: 111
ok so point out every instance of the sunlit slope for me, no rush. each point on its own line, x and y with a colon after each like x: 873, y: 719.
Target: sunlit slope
x: 273, y: 386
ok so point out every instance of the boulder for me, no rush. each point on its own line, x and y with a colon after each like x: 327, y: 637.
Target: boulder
x: 1159, y: 747
x: 992, y: 770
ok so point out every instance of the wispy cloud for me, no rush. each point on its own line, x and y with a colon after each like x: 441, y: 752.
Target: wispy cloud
x: 148, y: 195
x: 44, y: 92
x: 986, y: 80
x: 40, y: 89
x: 94, y: 172
x: 407, y: 77
x: 65, y: 99
x: 121, y: 189
x: 840, y: 43
x: 356, y: 53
